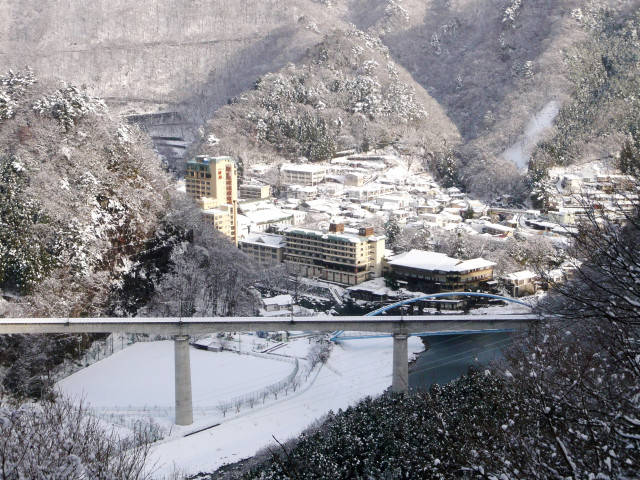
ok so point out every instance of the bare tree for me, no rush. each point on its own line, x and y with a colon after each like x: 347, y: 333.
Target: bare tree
x: 60, y: 440
x: 223, y: 408
x: 577, y: 374
x: 274, y: 389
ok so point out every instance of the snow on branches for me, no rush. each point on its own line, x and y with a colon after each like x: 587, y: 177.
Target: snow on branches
x: 68, y: 104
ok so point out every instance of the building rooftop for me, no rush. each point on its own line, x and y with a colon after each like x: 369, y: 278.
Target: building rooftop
x: 342, y: 237
x: 434, y: 261
x: 268, y: 239
x: 281, y: 300
x: 521, y: 275
x: 205, y: 159
x: 270, y: 215
x: 214, y: 211
x: 303, y: 168
x: 498, y: 227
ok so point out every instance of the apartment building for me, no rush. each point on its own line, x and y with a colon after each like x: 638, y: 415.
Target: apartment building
x: 367, y: 193
x: 335, y: 256
x: 303, y: 174
x: 223, y: 217
x: 440, y: 271
x: 521, y: 283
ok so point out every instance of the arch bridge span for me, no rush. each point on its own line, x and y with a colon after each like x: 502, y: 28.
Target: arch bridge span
x: 339, y: 334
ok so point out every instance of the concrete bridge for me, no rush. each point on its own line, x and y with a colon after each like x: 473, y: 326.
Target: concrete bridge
x: 400, y: 327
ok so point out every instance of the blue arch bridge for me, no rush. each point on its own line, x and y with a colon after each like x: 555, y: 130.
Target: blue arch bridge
x: 342, y: 335
x: 400, y: 327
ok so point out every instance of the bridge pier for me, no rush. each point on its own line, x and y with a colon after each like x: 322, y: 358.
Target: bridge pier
x: 400, y: 373
x: 184, y: 403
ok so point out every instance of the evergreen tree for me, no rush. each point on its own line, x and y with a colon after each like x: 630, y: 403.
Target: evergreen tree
x: 24, y: 257
x: 459, y: 248
x: 629, y: 157
x: 392, y: 230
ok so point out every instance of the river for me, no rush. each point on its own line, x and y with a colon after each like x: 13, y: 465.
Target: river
x: 449, y: 356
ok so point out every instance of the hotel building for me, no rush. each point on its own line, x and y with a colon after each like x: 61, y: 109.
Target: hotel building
x: 335, y: 256
x: 213, y: 183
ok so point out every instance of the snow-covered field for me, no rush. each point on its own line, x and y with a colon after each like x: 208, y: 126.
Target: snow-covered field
x: 356, y: 369
x: 143, y: 375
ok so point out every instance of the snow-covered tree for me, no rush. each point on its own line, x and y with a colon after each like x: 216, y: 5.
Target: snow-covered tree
x: 206, y: 275
x: 444, y: 165
x: 80, y: 193
x: 68, y: 105
x: 413, y: 237
x: 392, y: 229
x: 59, y: 441
x: 25, y: 256
x: 13, y: 87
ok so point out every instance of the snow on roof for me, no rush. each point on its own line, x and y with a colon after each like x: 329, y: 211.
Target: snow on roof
x: 375, y: 286
x: 303, y: 168
x: 278, y: 300
x: 498, y: 227
x: 269, y: 239
x: 255, y: 204
x: 347, y: 237
x: 521, y: 275
x: 205, y: 159
x: 434, y: 261
x: 214, y: 211
x: 268, y: 216
x: 300, y: 188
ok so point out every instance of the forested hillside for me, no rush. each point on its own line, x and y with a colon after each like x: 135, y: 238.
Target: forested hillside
x: 80, y: 192
x: 601, y: 117
x: 345, y: 93
x: 90, y: 225
x: 151, y: 53
x: 490, y: 64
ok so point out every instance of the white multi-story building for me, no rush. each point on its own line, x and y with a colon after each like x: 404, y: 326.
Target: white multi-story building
x: 303, y: 174
x: 367, y: 193
x: 262, y: 214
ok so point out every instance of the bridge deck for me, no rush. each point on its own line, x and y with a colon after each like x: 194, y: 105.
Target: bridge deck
x: 195, y: 325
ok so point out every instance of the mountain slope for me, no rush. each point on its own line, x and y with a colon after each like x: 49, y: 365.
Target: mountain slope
x: 152, y: 53
x: 80, y: 192
x: 345, y: 93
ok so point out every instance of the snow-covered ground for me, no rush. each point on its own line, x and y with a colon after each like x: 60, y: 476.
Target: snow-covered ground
x: 143, y: 375
x: 356, y: 369
x: 520, y: 152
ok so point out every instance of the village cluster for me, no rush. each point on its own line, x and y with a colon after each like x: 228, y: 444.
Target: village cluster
x: 329, y: 221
